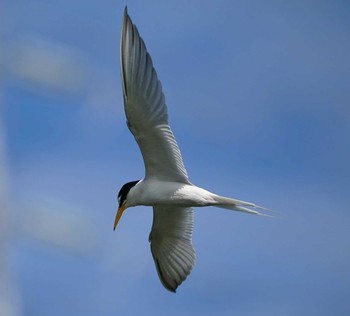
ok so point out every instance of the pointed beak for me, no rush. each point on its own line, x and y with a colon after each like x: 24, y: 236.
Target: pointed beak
x: 119, y: 214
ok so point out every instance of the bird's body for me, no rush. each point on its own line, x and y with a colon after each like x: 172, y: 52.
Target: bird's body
x: 166, y: 186
x: 150, y: 192
x: 158, y: 193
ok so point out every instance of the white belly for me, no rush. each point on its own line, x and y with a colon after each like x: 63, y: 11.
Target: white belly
x: 149, y: 193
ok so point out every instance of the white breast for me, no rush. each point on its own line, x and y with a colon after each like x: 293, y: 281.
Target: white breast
x: 151, y: 192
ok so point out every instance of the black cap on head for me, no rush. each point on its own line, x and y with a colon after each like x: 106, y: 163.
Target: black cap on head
x: 123, y: 192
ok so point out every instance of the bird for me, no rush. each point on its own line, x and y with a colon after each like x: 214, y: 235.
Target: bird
x: 166, y: 185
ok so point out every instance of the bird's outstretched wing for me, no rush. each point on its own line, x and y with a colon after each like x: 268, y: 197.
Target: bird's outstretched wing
x: 171, y: 244
x: 145, y: 108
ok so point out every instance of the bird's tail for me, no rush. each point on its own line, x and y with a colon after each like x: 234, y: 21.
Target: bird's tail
x: 240, y: 206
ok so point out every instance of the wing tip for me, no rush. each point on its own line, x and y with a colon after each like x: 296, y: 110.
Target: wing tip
x: 125, y: 15
x: 126, y: 21
x: 163, y: 280
x: 168, y: 281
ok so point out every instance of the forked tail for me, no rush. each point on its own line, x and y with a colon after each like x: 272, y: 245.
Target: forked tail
x: 240, y: 206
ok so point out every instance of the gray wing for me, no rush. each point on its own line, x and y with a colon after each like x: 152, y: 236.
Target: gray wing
x: 145, y: 108
x: 171, y: 244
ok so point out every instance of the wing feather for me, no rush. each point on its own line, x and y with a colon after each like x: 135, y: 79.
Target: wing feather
x: 171, y: 244
x: 145, y: 108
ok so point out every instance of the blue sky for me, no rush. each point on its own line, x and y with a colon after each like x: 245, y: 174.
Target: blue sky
x: 258, y: 95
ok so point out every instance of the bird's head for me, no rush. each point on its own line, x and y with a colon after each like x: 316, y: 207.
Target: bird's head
x: 122, y: 199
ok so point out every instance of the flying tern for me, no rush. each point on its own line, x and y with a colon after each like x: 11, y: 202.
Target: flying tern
x: 166, y: 186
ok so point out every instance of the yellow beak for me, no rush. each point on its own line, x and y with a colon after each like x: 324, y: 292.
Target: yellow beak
x: 119, y: 214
